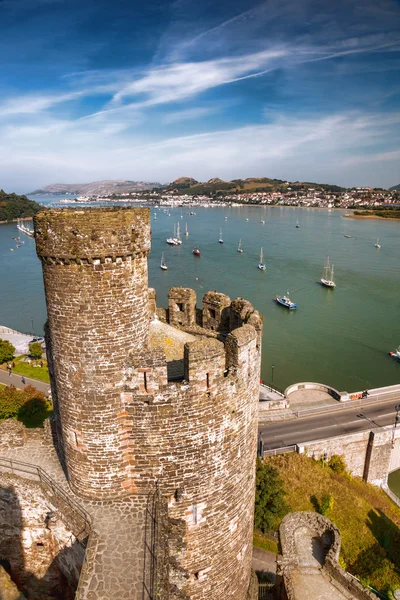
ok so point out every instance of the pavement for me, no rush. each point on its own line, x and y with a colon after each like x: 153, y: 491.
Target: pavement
x: 15, y: 380
x: 264, y: 561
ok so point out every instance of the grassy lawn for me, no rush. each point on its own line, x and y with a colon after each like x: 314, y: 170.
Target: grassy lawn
x: 367, y: 519
x: 28, y: 370
x: 265, y: 542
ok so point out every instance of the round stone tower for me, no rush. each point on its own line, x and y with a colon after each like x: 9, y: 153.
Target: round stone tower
x: 95, y: 277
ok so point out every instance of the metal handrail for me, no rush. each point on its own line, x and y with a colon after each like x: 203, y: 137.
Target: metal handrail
x: 282, y: 450
x: 272, y: 388
x: 45, y: 479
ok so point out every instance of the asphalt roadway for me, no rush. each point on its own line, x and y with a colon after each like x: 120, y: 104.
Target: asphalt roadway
x: 331, y: 421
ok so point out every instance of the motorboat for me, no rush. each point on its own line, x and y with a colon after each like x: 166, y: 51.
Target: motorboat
x: 377, y: 245
x: 286, y: 302
x: 196, y: 251
x: 396, y: 353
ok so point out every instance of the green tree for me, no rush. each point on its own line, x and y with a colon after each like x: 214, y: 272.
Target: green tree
x: 6, y: 351
x: 270, y: 504
x: 11, y: 401
x: 35, y: 350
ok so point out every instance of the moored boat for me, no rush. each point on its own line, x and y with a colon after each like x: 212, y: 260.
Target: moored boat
x: 261, y: 264
x: 377, y: 245
x: 196, y: 251
x: 240, y: 249
x: 220, y: 241
x: 327, y: 275
x: 163, y: 266
x: 297, y: 224
x: 285, y: 301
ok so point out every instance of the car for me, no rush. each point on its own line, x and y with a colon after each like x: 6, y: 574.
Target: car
x: 37, y: 339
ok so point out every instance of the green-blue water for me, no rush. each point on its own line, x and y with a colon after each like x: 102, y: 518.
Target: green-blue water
x: 341, y: 337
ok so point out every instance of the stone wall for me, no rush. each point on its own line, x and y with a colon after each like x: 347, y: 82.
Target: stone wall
x: 367, y: 453
x: 43, y: 554
x: 290, y: 561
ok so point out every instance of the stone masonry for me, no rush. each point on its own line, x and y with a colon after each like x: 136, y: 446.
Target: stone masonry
x: 125, y: 430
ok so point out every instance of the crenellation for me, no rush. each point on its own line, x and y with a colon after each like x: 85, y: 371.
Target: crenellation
x: 182, y: 306
x: 216, y: 311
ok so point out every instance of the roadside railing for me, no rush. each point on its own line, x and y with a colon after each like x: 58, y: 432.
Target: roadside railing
x: 266, y: 591
x: 283, y: 450
x: 272, y: 388
x: 34, y: 472
x: 340, y: 405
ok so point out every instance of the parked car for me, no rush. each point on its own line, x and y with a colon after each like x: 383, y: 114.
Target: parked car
x: 37, y: 339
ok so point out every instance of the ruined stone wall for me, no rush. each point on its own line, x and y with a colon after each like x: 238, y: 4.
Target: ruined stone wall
x: 198, y: 440
x: 367, y: 454
x: 43, y: 554
x: 95, y: 277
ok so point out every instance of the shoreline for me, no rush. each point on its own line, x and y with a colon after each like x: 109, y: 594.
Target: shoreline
x: 16, y: 220
x: 353, y: 216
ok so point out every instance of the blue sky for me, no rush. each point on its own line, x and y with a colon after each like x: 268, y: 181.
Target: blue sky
x: 294, y: 89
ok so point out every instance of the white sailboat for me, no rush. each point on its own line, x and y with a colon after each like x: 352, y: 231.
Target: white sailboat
x: 163, y: 266
x: 220, y: 241
x: 172, y: 241
x: 186, y: 231
x: 327, y: 275
x: 240, y: 249
x: 178, y: 235
x: 297, y: 224
x: 377, y: 245
x: 261, y: 264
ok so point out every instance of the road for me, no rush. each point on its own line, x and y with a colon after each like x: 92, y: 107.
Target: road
x: 15, y: 380
x: 330, y: 422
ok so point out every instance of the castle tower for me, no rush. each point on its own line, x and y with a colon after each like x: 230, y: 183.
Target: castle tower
x: 95, y: 277
x: 127, y: 427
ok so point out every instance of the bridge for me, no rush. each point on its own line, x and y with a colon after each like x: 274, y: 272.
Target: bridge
x: 364, y: 430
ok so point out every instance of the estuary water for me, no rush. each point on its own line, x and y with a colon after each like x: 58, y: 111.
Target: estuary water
x: 340, y: 337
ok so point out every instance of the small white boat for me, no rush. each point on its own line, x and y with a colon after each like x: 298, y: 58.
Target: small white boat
x: 261, y: 264
x: 240, y: 249
x: 377, y: 245
x: 262, y: 221
x: 220, y: 241
x: 327, y: 275
x: 246, y: 219
x: 186, y: 231
x: 396, y: 353
x: 226, y: 218
x: 178, y: 235
x: 172, y: 241
x: 163, y: 266
x: 297, y: 224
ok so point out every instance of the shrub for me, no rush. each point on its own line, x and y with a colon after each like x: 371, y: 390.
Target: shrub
x: 270, y: 503
x: 11, y: 401
x: 6, y: 351
x: 35, y: 350
x: 326, y: 504
x: 337, y: 464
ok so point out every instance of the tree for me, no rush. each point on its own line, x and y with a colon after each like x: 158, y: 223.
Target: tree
x: 270, y: 503
x: 6, y: 351
x: 35, y: 350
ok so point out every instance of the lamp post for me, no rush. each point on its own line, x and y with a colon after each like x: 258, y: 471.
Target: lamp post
x: 272, y: 374
x: 33, y: 331
x: 396, y: 420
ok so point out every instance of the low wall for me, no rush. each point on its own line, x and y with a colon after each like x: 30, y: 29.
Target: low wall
x: 309, y: 385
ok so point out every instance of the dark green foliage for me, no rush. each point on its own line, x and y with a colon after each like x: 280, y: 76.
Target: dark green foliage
x: 35, y: 350
x: 390, y: 213
x: 324, y: 505
x: 337, y: 464
x: 270, y: 504
x: 28, y: 405
x: 13, y: 206
x: 6, y: 351
x: 11, y: 401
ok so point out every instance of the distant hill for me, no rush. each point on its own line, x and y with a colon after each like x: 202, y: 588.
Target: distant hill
x: 13, y: 206
x: 96, y: 188
x: 215, y: 186
x: 395, y: 187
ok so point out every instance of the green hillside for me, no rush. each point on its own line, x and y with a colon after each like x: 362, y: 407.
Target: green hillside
x: 13, y: 206
x: 367, y: 519
x: 395, y: 187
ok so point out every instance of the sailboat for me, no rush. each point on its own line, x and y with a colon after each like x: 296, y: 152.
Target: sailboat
x: 297, y: 224
x: 172, y: 241
x: 178, y: 235
x: 163, y: 266
x: 261, y: 264
x: 377, y: 245
x: 240, y: 249
x: 220, y: 241
x: 327, y: 275
x: 186, y: 231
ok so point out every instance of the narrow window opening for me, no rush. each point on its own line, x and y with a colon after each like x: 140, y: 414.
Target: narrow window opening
x: 180, y: 306
x: 145, y: 380
x: 212, y: 313
x: 39, y: 544
x: 75, y: 439
x: 208, y: 380
x: 196, y: 575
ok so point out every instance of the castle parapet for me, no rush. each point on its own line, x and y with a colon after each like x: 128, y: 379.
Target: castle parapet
x: 216, y: 311
x: 204, y: 363
x: 182, y: 306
